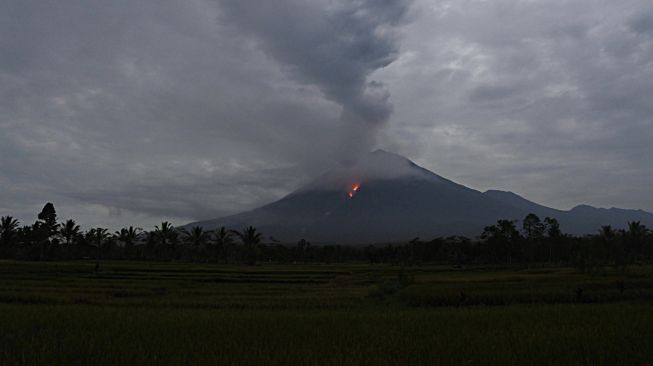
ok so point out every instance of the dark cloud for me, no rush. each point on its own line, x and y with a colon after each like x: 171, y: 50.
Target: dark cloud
x: 549, y: 99
x: 334, y: 45
x: 132, y: 112
x: 490, y: 93
x: 642, y: 22
x: 147, y: 102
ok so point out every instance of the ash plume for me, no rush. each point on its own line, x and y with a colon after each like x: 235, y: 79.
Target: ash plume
x: 334, y: 45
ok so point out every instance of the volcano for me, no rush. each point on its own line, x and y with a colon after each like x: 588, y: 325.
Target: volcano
x: 385, y: 197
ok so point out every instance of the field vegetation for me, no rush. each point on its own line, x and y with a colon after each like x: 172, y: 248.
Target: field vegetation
x: 67, y: 313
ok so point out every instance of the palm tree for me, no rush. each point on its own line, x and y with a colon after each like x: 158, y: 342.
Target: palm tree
x: 635, y: 236
x: 250, y: 239
x: 99, y: 236
x: 249, y: 236
x: 8, y: 231
x: 129, y: 235
x: 26, y: 235
x: 610, y: 246
x: 69, y: 230
x: 150, y: 238
x: 607, y: 232
x: 222, y: 239
x: 636, y: 229
x: 164, y: 233
x: 196, y: 236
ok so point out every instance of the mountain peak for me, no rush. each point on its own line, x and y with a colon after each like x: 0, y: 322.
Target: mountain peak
x: 377, y: 165
x: 382, y: 197
x: 584, y: 207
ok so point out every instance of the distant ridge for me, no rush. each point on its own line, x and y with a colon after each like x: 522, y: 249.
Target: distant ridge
x: 398, y: 200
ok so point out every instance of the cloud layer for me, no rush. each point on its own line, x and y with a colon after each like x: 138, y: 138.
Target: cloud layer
x: 334, y: 46
x: 133, y: 112
x: 546, y: 98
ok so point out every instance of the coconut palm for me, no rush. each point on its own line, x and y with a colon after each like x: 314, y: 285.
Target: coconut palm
x: 98, y: 236
x: 635, y: 236
x: 165, y: 233
x: 637, y: 231
x: 69, y: 231
x: 8, y: 230
x: 150, y: 239
x: 250, y: 239
x: 196, y: 236
x: 129, y: 235
x: 222, y: 240
x: 249, y: 236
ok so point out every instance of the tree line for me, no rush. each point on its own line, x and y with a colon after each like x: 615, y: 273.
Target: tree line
x: 505, y: 242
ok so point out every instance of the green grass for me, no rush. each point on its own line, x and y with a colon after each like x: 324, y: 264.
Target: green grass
x: 153, y: 313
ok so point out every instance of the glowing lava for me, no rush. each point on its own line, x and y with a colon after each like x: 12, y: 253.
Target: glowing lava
x: 353, y: 190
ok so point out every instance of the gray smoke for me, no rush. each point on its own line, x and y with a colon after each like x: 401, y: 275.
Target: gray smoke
x: 334, y: 45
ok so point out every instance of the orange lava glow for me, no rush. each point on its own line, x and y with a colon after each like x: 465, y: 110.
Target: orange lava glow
x: 353, y: 190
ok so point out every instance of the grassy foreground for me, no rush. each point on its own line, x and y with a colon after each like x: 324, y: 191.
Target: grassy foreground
x: 145, y: 313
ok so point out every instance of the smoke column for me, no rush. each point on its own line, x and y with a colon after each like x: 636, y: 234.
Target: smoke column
x: 333, y: 44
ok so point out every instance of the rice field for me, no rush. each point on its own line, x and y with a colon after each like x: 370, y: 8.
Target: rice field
x: 170, y: 314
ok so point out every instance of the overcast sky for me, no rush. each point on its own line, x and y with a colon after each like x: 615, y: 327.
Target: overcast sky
x: 131, y: 112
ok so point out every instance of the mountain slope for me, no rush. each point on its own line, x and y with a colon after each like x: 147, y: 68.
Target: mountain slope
x: 582, y: 219
x: 398, y: 200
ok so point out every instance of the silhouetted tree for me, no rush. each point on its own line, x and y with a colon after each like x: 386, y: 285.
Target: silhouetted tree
x: 552, y: 227
x: 607, y: 231
x: 502, y: 238
x: 533, y: 227
x: 69, y: 231
x: 8, y: 234
x: 150, y: 238
x: 196, y: 236
x: 553, y: 235
x: 303, y: 247
x: 129, y: 236
x: 533, y: 230
x: 164, y: 233
x: 596, y: 252
x: 635, y: 236
x: 501, y: 242
x: 250, y: 239
x: 46, y: 228
x: 99, y: 236
x: 48, y: 217
x: 459, y: 250
x: 222, y: 241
